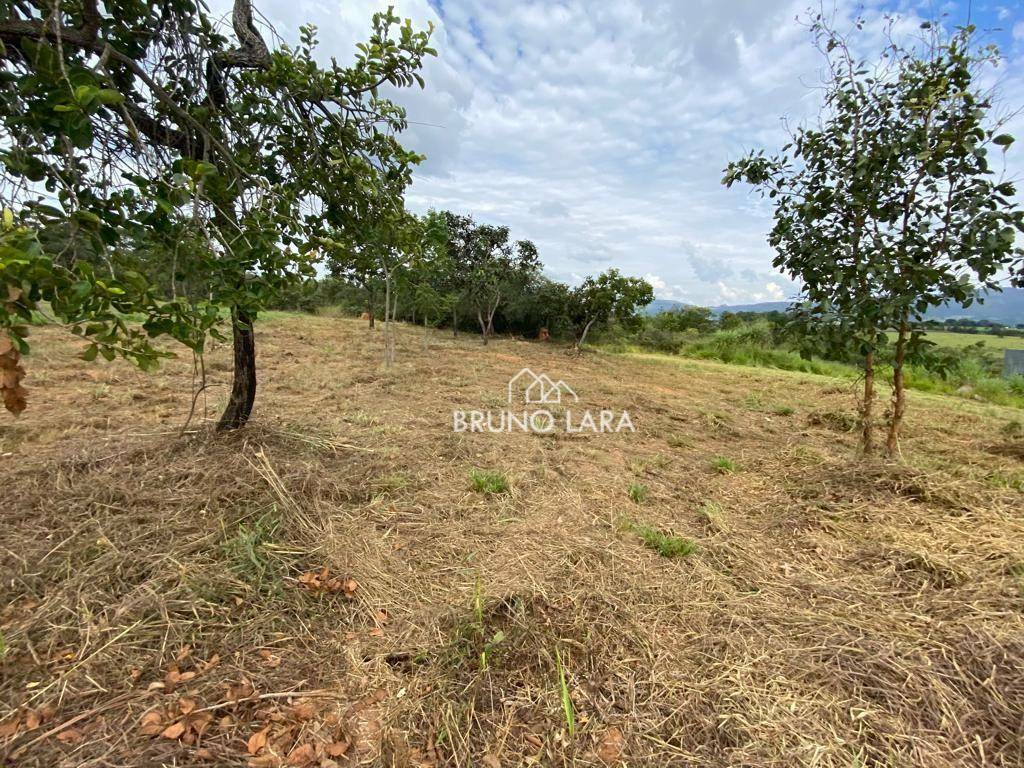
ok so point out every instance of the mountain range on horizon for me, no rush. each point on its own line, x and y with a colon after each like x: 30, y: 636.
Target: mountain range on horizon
x: 1006, y: 307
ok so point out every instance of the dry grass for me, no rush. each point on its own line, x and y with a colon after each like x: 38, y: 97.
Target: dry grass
x: 836, y: 613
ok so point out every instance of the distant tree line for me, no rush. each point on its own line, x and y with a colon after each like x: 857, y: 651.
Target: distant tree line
x: 467, y: 277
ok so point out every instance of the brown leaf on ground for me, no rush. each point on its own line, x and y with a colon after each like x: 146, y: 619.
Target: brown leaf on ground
x: 338, y: 748
x: 610, y: 748
x: 304, y: 709
x: 302, y: 755
x: 491, y: 761
x: 258, y: 741
x: 240, y: 690
x: 322, y: 581
x: 70, y: 736
x: 270, y: 659
x: 265, y: 761
x: 10, y: 727
x: 152, y: 723
x: 173, y: 731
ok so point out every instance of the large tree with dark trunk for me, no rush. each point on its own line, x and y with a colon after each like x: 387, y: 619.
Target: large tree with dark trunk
x: 142, y: 129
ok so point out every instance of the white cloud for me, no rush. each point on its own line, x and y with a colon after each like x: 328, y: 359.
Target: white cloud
x: 600, y: 129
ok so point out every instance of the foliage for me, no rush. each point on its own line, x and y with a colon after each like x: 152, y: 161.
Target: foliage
x: 152, y: 169
x: 890, y: 206
x: 607, y: 296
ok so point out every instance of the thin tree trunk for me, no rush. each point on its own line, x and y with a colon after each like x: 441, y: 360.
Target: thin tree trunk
x: 483, y: 326
x: 388, y: 354
x: 583, y: 336
x: 867, y: 426
x: 243, y: 385
x: 369, y: 308
x: 899, y: 395
x: 455, y: 322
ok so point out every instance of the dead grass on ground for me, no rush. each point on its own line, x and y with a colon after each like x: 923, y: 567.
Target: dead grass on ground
x: 165, y: 598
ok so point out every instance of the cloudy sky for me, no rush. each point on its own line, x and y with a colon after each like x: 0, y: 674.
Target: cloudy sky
x: 599, y: 130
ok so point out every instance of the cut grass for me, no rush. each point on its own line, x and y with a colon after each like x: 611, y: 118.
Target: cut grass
x: 488, y: 481
x: 116, y: 578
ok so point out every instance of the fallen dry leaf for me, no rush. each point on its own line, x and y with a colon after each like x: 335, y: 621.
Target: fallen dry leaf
x: 70, y: 736
x: 304, y: 709
x: 338, y: 748
x: 491, y: 761
x: 152, y: 723
x: 238, y: 691
x: 302, y: 755
x: 321, y: 581
x: 258, y: 741
x: 610, y: 747
x: 9, y: 727
x: 270, y: 659
x: 173, y: 731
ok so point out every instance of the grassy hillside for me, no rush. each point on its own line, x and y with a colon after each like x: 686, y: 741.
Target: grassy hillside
x: 958, y: 340
x: 348, y: 581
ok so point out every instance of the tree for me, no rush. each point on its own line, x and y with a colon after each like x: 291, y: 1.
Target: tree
x: 609, y: 295
x: 129, y: 131
x: 889, y: 206
x: 700, y: 319
x: 497, y: 269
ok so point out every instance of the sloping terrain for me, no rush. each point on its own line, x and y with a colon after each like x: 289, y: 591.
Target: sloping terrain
x: 165, y: 600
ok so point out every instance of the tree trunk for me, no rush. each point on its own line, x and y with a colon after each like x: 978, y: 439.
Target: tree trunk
x: 243, y: 386
x: 455, y: 322
x: 583, y: 336
x: 369, y: 309
x: 388, y: 350
x: 867, y: 427
x: 483, y: 326
x: 899, y: 395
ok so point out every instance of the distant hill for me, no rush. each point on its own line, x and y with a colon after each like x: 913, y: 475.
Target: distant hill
x: 1006, y: 308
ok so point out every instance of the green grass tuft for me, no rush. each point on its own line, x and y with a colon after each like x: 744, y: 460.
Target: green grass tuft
x: 723, y: 465
x: 665, y: 544
x: 249, y: 551
x: 488, y: 481
x: 638, y: 492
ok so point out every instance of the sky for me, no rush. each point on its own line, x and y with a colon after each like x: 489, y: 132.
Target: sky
x: 600, y: 130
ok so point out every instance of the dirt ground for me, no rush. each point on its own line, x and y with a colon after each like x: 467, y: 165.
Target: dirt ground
x: 164, y: 598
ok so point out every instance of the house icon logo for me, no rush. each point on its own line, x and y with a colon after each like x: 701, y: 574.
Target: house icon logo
x: 538, y: 389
